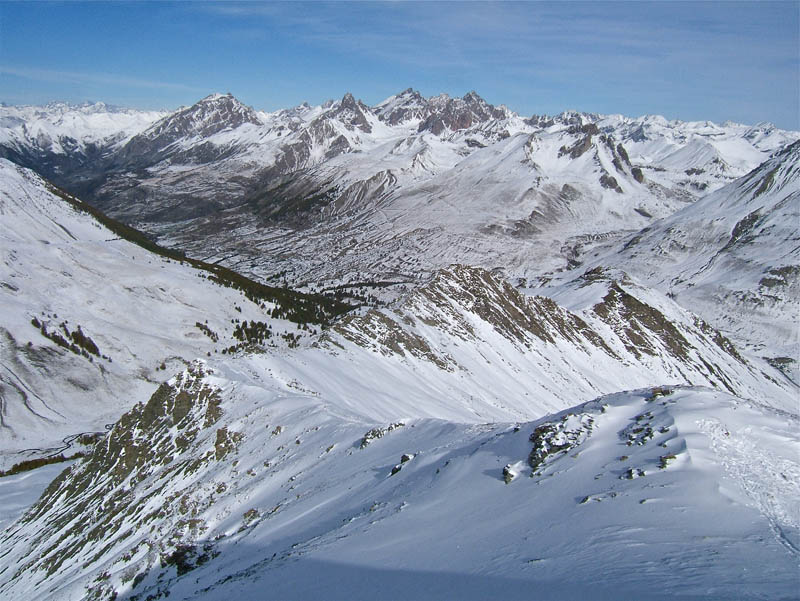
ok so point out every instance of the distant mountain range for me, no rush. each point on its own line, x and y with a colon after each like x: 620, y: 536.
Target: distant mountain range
x: 343, y: 193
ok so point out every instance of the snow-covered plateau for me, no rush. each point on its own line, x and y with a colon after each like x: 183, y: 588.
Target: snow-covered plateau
x: 426, y: 349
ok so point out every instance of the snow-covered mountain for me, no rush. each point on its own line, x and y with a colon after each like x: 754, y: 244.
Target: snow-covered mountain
x: 573, y: 386
x: 733, y: 256
x: 63, y: 128
x: 188, y: 135
x: 60, y: 138
x: 410, y: 173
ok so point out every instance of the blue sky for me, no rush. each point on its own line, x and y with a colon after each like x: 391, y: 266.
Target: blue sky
x: 694, y: 60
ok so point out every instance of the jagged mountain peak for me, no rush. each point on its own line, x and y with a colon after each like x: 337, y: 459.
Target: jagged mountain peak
x: 351, y: 103
x: 407, y: 95
x: 453, y: 114
x: 214, y: 96
x: 438, y: 113
x: 348, y: 101
x: 472, y: 97
x: 405, y: 106
x: 573, y: 117
x: 208, y: 116
x: 353, y: 113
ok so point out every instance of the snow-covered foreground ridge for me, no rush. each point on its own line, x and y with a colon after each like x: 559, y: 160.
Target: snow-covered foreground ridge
x: 225, y: 483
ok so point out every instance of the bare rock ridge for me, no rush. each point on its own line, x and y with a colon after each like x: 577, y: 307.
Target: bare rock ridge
x: 455, y: 114
x: 628, y: 326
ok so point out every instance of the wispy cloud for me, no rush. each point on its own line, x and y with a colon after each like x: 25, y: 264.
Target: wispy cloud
x: 678, y: 58
x: 73, y: 77
x: 506, y: 34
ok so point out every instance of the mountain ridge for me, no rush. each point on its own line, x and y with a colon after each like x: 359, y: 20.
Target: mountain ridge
x: 345, y: 192
x: 732, y: 254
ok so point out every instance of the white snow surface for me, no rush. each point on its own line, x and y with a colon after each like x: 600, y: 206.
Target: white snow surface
x: 650, y: 494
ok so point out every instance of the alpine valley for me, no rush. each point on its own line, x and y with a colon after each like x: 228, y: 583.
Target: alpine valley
x: 424, y: 349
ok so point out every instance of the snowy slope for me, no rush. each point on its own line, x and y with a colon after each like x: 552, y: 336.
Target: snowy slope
x: 65, y: 272
x: 733, y: 256
x: 230, y: 484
